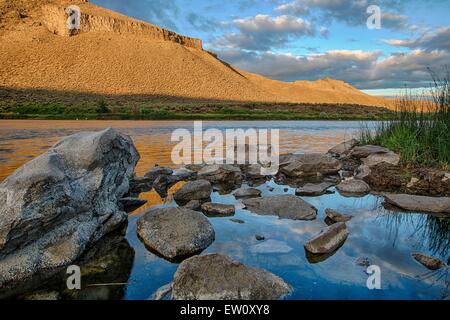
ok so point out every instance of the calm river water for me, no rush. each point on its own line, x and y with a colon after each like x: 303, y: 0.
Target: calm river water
x: 386, y: 238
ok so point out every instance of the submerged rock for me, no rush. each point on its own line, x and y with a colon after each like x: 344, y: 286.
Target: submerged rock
x: 335, y: 216
x: 61, y: 203
x: 239, y: 221
x: 174, y: 232
x: 429, y: 262
x: 309, y: 165
x: 218, y: 209
x: 271, y: 246
x: 217, y: 277
x: 313, y: 190
x: 343, y: 148
x: 362, y: 262
x: 328, y: 240
x: 260, y: 237
x: 284, y: 206
x: 353, y: 187
x: 221, y: 174
x: 193, y: 190
x: 247, y: 193
x: 419, y: 203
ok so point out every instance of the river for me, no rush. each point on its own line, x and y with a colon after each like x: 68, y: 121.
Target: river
x: 385, y: 237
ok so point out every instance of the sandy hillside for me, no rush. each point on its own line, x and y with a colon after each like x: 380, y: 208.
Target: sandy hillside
x: 116, y: 55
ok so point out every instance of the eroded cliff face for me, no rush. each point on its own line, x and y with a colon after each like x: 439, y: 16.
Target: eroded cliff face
x: 53, y: 14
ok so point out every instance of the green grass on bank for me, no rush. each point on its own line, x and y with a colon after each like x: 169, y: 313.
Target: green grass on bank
x: 102, y: 110
x: 420, y: 132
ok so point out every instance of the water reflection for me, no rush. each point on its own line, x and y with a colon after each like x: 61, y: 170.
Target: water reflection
x: 386, y: 237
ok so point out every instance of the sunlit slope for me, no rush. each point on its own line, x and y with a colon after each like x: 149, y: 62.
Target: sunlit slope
x: 116, y: 55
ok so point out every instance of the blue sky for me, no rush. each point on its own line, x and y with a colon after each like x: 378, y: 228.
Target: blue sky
x: 311, y: 39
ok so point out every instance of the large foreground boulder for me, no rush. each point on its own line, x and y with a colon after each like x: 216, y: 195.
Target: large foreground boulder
x: 174, y: 232
x: 309, y: 165
x: 217, y: 277
x: 328, y: 240
x: 58, y: 205
x: 419, y: 203
x: 193, y: 190
x: 285, y: 206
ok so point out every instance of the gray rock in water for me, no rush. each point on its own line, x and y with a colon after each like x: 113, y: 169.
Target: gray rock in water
x: 221, y: 174
x: 217, y: 277
x: 335, y: 216
x: 247, y: 193
x: 271, y: 246
x: 253, y: 171
x: 157, y: 171
x: 193, y: 190
x: 218, y: 209
x: 239, y: 221
x: 328, y: 240
x: 362, y: 262
x: 419, y: 203
x: 309, y: 165
x: 195, y: 205
x: 61, y: 203
x: 429, y: 262
x: 140, y: 184
x: 313, y: 190
x: 353, y: 187
x: 284, y: 206
x: 368, y: 150
x: 131, y: 204
x: 343, y: 148
x: 175, y: 233
x: 374, y: 159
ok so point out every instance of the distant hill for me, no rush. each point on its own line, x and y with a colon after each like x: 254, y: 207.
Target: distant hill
x: 116, y: 55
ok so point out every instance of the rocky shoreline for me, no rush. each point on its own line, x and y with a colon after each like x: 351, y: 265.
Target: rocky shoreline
x: 61, y: 206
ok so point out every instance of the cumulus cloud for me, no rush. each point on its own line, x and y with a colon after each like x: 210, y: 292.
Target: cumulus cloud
x: 351, y: 12
x: 364, y: 69
x: 263, y: 32
x: 436, y: 40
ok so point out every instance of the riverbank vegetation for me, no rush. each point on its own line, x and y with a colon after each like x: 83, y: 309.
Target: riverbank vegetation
x: 107, y: 110
x: 420, y: 129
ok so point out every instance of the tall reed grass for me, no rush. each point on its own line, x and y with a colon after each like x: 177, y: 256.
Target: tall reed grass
x: 420, y: 127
